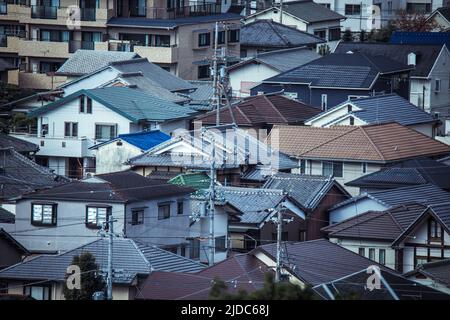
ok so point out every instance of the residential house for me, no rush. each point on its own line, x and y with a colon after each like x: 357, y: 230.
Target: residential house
x: 71, y: 214
x: 349, y: 152
x: 427, y: 194
x: 68, y: 127
x: 112, y: 155
x: 306, y: 16
x: 236, y: 151
x: 377, y: 109
x: 432, y: 274
x: 20, y: 175
x: 43, y: 277
x: 261, y: 112
x: 320, y: 263
x: 315, y: 194
x: 441, y: 16
x: 25, y: 148
x: 84, y: 62
x: 262, y: 36
x: 403, y: 237
x: 354, y: 75
x: 251, y: 72
x: 12, y: 251
x: 430, y: 78
x: 403, y: 174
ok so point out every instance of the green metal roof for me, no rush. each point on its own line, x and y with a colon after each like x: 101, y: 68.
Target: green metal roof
x: 133, y: 104
x: 196, y: 180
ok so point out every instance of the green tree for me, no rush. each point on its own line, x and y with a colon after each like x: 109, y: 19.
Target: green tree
x: 324, y: 50
x: 270, y: 291
x: 90, y: 280
x: 381, y: 35
x: 347, y: 36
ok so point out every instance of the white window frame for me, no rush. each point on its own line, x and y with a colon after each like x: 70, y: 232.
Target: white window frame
x: 41, y: 221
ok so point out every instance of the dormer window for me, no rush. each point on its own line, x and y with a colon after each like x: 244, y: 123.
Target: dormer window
x: 412, y: 59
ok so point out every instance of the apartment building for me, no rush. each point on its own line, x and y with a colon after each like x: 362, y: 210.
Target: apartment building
x: 39, y: 35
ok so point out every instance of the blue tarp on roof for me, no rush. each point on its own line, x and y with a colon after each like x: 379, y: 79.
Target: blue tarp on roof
x: 145, y: 140
x: 421, y: 38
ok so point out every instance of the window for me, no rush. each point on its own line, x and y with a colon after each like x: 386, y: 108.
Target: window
x: 362, y: 252
x: 70, y: 129
x: 352, y: 121
x: 320, y: 33
x: 364, y: 167
x: 302, y: 235
x: 162, y: 40
x: 372, y: 254
x: 382, y: 256
x: 434, y: 230
x: 43, y: 214
x: 204, y: 39
x: 352, y: 9
x: 292, y: 95
x: 302, y: 165
x: 324, y: 102
x: 38, y: 292
x: 137, y: 216
x: 334, y: 34
x: 163, y: 211
x: 96, y: 216
x: 220, y: 244
x: 105, y: 131
x: 88, y: 105
x: 418, y: 7
x: 437, y: 85
x: 195, y: 248
x: 204, y: 72
x: 180, y: 207
x: 81, y: 109
x: 233, y: 35
x: 332, y: 168
x: 221, y: 37
x: 326, y: 5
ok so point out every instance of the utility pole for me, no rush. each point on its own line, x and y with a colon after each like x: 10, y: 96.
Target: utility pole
x: 216, y: 95
x: 279, y: 234
x: 281, y: 11
x: 109, y: 222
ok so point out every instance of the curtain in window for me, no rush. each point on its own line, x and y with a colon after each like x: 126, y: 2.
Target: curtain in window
x: 65, y: 36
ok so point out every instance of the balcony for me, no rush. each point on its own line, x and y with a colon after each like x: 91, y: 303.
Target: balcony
x: 9, y: 44
x: 75, y: 45
x: 87, y: 14
x: 44, y: 12
x: 195, y: 10
x: 158, y: 54
x: 39, y: 81
x: 59, y: 146
x: 50, y: 49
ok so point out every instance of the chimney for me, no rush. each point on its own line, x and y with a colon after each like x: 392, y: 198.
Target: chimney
x: 412, y: 59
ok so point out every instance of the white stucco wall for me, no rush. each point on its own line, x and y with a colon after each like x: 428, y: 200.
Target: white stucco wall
x: 251, y: 72
x: 112, y: 156
x: 355, y: 208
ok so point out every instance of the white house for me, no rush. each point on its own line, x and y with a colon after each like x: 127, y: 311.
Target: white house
x: 441, y: 16
x: 68, y: 127
x: 382, y: 108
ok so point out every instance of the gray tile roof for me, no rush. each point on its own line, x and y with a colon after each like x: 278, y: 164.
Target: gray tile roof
x: 439, y: 271
x: 426, y: 54
x: 311, y: 12
x: 21, y: 175
x: 308, y: 190
x: 203, y: 94
x: 163, y: 260
x: 427, y: 194
x: 128, y: 262
x: 340, y: 71
x: 86, y: 61
x: 133, y: 104
x: 17, y: 144
x: 386, y: 108
x: 271, y: 34
x: 410, y: 172
x: 170, y: 23
x: 442, y: 210
x: 318, y: 261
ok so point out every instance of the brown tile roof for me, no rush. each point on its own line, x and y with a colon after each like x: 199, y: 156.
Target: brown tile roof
x: 263, y: 109
x: 241, y: 272
x: 383, y: 143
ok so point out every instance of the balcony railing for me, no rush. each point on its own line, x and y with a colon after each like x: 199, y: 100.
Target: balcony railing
x: 194, y: 10
x: 87, y: 14
x: 43, y: 12
x: 85, y: 45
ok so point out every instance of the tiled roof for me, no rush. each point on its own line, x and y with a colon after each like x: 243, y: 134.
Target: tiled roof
x: 21, y: 175
x: 239, y: 148
x: 10, y: 239
x: 384, y: 108
x: 426, y: 194
x: 163, y: 260
x: 336, y: 70
x: 18, y: 145
x: 86, y: 61
x: 308, y: 190
x: 442, y: 210
x: 133, y: 104
x: 268, y: 33
x: 410, y: 172
x: 203, y: 94
x: 354, y: 285
x: 383, y: 143
x: 196, y: 180
x: 170, y: 23
x: 263, y: 110
x: 318, y: 261
x: 445, y: 12
x: 439, y: 271
x: 143, y: 140
x: 380, y: 225
x: 240, y: 272
x: 124, y: 186
x: 128, y: 262
x: 310, y: 11
x: 426, y: 55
